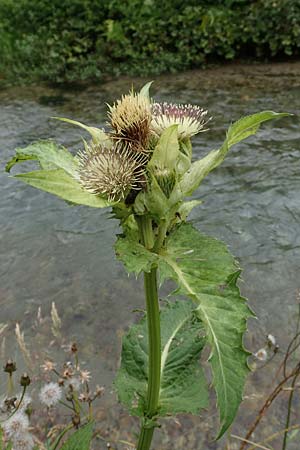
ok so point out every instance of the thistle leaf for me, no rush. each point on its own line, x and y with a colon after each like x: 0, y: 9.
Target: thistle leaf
x: 240, y: 130
x: 59, y: 183
x: 145, y: 91
x: 135, y: 257
x: 205, y: 271
x: 80, y: 439
x: 98, y: 135
x: 183, y: 387
x: 49, y: 155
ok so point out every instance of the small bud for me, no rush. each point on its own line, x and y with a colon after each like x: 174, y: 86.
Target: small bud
x: 25, y: 380
x: 276, y: 348
x: 61, y: 382
x: 69, y: 396
x: 76, y: 420
x: 10, y: 367
x: 74, y: 348
x: 271, y: 340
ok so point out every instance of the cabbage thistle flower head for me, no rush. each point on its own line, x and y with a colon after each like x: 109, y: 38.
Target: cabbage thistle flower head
x: 190, y: 119
x: 113, y: 172
x: 130, y: 119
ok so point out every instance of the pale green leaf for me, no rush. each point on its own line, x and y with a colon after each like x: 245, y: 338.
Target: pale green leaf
x: 80, y: 439
x: 59, y: 183
x: 166, y: 151
x: 186, y: 207
x: 183, y: 387
x: 240, y: 130
x: 145, y: 91
x: 98, y: 135
x: 134, y: 256
x: 205, y: 271
x: 49, y: 155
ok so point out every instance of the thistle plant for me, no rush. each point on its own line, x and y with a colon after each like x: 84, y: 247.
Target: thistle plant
x: 142, y: 168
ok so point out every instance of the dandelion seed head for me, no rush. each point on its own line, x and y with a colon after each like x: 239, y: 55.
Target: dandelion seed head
x: 26, y: 401
x: 50, y: 394
x: 16, y: 425
x: 261, y: 354
x: 111, y: 173
x: 130, y: 119
x: 23, y: 442
x: 73, y: 384
x: 190, y: 119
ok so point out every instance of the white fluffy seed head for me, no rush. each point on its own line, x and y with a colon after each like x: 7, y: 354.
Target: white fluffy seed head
x: 261, y: 354
x: 111, y: 173
x: 23, y: 442
x: 190, y: 119
x: 50, y: 394
x: 16, y: 425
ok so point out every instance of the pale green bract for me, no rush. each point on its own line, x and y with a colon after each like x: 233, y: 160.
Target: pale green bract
x: 57, y: 175
x: 205, y: 271
x: 237, y: 132
x: 183, y: 386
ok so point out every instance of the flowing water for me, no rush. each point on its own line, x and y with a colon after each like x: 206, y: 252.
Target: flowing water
x: 52, y: 252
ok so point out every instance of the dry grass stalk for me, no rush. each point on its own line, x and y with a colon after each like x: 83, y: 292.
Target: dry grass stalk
x: 21, y: 342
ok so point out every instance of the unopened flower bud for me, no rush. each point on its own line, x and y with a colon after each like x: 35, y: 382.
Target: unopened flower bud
x: 25, y: 380
x: 10, y: 366
x: 271, y: 340
x: 74, y: 348
x: 76, y: 420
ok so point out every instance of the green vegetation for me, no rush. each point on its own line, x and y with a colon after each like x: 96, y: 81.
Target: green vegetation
x: 62, y: 40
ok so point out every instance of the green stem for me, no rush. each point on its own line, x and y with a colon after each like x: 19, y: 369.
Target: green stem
x: 154, y: 339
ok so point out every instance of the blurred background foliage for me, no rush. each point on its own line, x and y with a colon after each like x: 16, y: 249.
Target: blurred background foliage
x: 66, y: 40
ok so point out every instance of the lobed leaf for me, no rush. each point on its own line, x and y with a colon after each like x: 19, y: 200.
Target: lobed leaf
x: 49, y: 155
x: 205, y: 271
x: 183, y: 386
x: 240, y: 130
x: 135, y: 257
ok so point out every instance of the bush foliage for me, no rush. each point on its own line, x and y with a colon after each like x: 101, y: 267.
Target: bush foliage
x: 61, y: 40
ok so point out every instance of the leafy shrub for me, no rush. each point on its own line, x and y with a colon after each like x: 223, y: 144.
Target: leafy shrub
x: 77, y: 39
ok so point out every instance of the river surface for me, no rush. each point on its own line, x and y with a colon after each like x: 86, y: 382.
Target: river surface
x: 51, y: 252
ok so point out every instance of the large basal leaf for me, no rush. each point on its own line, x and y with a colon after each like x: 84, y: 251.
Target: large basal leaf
x: 183, y: 387
x: 80, y: 439
x: 240, y: 130
x: 59, y: 183
x: 49, y: 155
x: 205, y: 271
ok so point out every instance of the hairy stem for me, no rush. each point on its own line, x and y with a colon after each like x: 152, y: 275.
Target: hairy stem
x: 154, y: 339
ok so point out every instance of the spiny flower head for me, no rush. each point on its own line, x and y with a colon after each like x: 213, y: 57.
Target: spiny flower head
x: 16, y: 425
x: 50, y: 394
x: 190, y: 119
x: 130, y: 119
x: 112, y: 173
